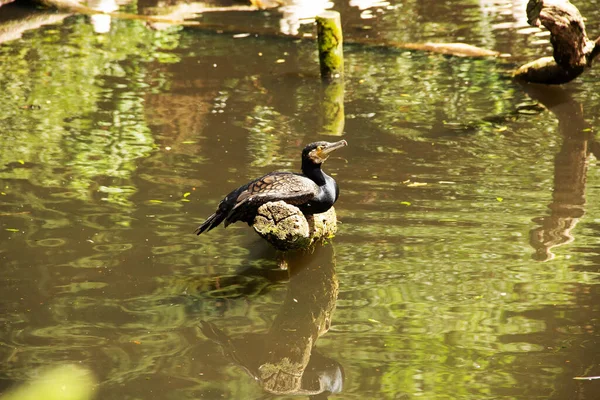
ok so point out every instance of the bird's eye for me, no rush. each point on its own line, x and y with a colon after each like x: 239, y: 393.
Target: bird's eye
x: 319, y: 148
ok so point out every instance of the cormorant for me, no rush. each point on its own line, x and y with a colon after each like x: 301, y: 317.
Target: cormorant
x: 312, y: 192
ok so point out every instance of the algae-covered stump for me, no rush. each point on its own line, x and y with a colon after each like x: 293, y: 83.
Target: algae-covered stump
x: 286, y: 228
x: 330, y: 42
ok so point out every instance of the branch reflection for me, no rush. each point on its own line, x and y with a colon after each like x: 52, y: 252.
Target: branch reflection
x: 284, y: 360
x: 570, y: 170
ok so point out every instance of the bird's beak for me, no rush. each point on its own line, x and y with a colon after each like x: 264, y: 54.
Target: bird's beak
x: 333, y: 146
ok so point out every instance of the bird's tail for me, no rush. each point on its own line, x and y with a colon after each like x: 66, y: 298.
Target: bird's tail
x: 211, y: 222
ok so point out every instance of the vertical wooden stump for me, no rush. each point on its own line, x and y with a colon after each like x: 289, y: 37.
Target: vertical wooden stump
x: 331, y: 54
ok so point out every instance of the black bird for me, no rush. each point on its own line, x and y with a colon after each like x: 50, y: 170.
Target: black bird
x: 312, y: 192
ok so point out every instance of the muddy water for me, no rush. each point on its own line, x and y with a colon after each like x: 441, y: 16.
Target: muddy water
x: 466, y: 263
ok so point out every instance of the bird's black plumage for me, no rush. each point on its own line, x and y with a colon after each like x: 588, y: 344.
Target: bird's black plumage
x: 312, y: 192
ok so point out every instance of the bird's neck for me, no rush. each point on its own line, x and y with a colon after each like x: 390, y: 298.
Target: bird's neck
x: 314, y: 172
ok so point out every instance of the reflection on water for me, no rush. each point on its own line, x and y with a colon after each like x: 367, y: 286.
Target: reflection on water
x: 298, y: 12
x: 101, y: 22
x: 570, y: 170
x: 283, y: 360
x: 113, y: 144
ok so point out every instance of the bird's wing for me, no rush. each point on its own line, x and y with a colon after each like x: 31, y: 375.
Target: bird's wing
x: 291, y: 188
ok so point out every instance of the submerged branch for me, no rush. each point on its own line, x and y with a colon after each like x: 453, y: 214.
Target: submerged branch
x: 453, y: 49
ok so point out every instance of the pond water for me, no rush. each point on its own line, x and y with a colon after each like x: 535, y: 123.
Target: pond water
x: 467, y: 261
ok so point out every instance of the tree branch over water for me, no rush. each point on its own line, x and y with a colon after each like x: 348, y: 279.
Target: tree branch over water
x: 573, y: 50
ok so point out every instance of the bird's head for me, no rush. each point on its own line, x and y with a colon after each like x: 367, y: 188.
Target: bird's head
x: 318, y: 152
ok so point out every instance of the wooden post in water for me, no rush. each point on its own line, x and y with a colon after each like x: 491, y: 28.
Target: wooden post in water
x: 330, y: 41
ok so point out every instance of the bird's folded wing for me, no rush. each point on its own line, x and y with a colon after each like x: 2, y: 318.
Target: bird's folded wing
x: 291, y: 188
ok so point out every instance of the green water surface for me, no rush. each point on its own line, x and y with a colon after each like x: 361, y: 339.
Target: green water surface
x: 467, y: 260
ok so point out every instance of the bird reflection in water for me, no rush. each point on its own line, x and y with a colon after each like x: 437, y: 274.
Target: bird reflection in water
x: 284, y: 360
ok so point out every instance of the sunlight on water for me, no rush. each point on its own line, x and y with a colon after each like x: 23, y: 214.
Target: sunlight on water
x: 465, y: 265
